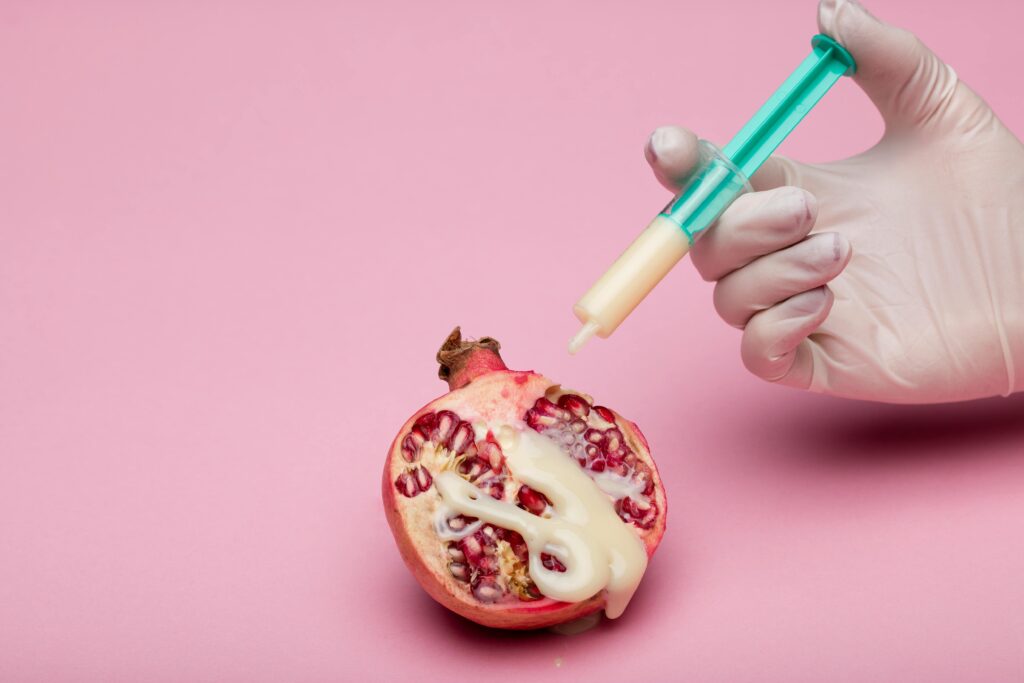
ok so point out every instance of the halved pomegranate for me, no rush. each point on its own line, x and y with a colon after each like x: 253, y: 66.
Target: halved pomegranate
x: 476, y: 569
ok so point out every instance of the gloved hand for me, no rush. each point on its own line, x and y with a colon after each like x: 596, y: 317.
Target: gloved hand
x: 921, y: 239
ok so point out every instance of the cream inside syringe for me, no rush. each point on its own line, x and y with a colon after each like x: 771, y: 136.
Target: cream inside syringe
x: 630, y: 278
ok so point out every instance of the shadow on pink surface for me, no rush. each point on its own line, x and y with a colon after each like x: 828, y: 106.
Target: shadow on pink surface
x: 879, y: 435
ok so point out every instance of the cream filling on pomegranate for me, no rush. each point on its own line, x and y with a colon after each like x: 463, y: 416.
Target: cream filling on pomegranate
x: 598, y: 549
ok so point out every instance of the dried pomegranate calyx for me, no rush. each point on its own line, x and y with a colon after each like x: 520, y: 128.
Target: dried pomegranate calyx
x: 462, y: 360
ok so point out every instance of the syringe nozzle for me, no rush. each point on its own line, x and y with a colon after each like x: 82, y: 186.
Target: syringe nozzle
x: 588, y: 330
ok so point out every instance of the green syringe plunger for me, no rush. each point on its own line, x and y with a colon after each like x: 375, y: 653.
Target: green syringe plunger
x: 719, y: 178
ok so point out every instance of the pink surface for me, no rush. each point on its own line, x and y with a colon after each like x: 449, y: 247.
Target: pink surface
x: 232, y: 236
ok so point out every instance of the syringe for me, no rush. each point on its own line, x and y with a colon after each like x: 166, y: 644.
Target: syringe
x: 719, y: 178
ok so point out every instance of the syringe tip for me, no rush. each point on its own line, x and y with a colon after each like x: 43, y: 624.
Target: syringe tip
x: 586, y: 332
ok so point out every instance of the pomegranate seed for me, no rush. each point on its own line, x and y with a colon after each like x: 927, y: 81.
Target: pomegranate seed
x: 488, y: 564
x: 487, y: 589
x: 575, y: 405
x: 545, y: 407
x: 406, y: 484
x: 411, y: 446
x: 455, y: 554
x: 647, y: 521
x: 642, y: 514
x: 606, y: 415
x: 578, y: 426
x: 623, y: 508
x: 551, y: 562
x: 613, y: 439
x: 447, y: 421
x: 597, y: 465
x: 460, y: 522
x: 423, y: 478
x: 475, y: 470
x: 545, y: 414
x: 531, y: 500
x: 461, y: 439
x: 495, y: 487
x: 459, y: 570
x: 594, y: 435
x: 518, y: 544
x: 643, y: 475
x: 490, y: 451
x: 539, y: 422
x: 472, y: 548
x: 645, y: 514
x: 424, y: 425
x: 592, y: 451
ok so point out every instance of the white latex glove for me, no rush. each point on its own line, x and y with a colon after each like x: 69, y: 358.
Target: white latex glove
x: 921, y: 239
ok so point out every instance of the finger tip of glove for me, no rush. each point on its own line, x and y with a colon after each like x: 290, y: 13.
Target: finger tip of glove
x: 797, y: 368
x: 811, y: 303
x: 836, y: 16
x: 672, y: 151
x: 842, y: 250
x: 806, y: 207
x: 772, y: 336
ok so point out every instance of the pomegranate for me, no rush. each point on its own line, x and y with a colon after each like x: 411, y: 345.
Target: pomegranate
x: 477, y: 569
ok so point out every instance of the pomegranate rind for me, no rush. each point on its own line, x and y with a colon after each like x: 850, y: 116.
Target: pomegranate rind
x: 503, y: 396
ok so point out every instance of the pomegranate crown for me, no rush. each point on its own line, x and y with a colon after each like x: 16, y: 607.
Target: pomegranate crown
x: 462, y: 360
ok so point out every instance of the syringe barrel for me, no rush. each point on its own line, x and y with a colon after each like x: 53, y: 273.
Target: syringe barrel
x: 718, y: 179
x: 711, y: 187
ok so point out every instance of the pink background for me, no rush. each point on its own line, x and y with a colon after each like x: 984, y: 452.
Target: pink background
x: 232, y: 236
